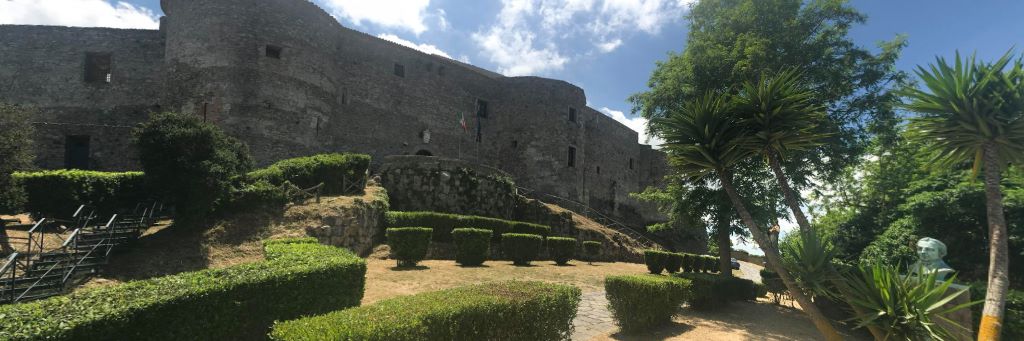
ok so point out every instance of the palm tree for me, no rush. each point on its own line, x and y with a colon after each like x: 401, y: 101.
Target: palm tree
x: 704, y: 140
x: 781, y: 116
x: 974, y: 112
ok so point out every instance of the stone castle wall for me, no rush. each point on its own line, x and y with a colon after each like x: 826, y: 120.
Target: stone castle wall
x: 421, y: 183
x: 331, y: 89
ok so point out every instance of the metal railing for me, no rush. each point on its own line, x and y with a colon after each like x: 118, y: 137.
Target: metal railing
x: 590, y: 213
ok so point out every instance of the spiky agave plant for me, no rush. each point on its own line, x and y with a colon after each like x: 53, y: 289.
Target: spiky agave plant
x: 902, y: 307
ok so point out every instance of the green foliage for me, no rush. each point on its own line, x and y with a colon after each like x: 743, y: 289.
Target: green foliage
x: 510, y: 310
x: 895, y: 245
x: 641, y: 302
x: 655, y: 260
x: 335, y: 171
x: 773, y: 284
x: 299, y: 278
x: 903, y: 307
x: 258, y: 195
x: 561, y: 249
x: 592, y: 249
x: 409, y: 245
x: 57, y: 193
x: 689, y: 262
x: 712, y: 292
x: 781, y: 113
x: 16, y: 153
x: 809, y: 260
x: 471, y: 245
x: 521, y: 248
x: 1013, y: 319
x: 674, y: 262
x: 444, y: 223
x: 189, y: 163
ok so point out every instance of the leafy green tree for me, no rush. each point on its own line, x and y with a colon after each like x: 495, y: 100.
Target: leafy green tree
x: 16, y: 153
x: 190, y: 163
x: 975, y: 111
x: 704, y: 141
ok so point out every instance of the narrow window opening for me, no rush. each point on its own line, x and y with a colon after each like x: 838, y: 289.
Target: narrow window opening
x: 515, y: 143
x: 598, y: 169
x: 572, y: 114
x: 399, y: 70
x: 97, y: 68
x: 572, y: 156
x: 205, y: 105
x: 76, y: 152
x: 344, y: 96
x: 317, y: 126
x: 630, y: 163
x: 481, y: 108
x: 274, y: 51
x: 424, y: 152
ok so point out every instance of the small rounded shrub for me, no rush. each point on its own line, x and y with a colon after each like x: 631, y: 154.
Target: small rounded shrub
x: 521, y: 248
x: 673, y: 262
x: 409, y: 244
x: 688, y: 262
x: 592, y: 249
x: 471, y: 245
x: 655, y: 260
x: 639, y: 302
x: 561, y: 249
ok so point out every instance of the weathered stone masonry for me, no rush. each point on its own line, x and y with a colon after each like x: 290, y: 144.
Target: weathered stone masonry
x: 289, y: 80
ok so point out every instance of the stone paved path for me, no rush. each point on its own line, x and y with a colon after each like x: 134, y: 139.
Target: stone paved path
x: 592, y: 317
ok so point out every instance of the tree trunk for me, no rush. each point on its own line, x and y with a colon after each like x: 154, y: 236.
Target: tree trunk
x: 995, y: 296
x: 787, y: 192
x: 775, y: 261
x: 724, y: 248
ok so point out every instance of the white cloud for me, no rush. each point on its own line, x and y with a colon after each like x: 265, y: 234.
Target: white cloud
x: 638, y: 124
x: 425, y: 48
x: 81, y: 13
x: 409, y: 15
x: 528, y: 36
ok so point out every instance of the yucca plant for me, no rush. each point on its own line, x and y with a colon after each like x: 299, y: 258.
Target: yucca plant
x: 902, y: 307
x: 809, y: 259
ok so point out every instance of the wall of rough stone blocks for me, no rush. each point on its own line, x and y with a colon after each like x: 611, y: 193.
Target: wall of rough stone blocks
x: 420, y: 183
x: 334, y: 89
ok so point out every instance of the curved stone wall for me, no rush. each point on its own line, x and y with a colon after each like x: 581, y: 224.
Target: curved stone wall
x: 423, y: 183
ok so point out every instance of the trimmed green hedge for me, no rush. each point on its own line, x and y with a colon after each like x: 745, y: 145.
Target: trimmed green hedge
x: 409, y: 245
x: 655, y: 260
x: 444, y: 223
x: 298, y: 278
x: 259, y: 195
x: 521, y: 248
x: 511, y: 310
x: 673, y: 262
x: 712, y: 291
x: 58, y: 193
x: 639, y: 302
x: 561, y: 249
x: 334, y: 170
x: 471, y: 245
x: 592, y: 249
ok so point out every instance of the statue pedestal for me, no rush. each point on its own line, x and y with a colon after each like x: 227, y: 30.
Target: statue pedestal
x: 962, y: 317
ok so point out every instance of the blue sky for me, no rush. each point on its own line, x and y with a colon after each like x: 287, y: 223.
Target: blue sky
x: 607, y: 47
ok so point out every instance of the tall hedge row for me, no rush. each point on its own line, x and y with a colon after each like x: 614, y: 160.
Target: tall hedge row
x: 639, y: 302
x: 57, y: 193
x: 510, y: 310
x: 444, y: 223
x: 298, y: 278
x: 334, y: 170
x: 713, y: 291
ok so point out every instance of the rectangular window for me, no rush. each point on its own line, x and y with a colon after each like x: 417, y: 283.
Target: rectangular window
x: 572, y: 114
x: 572, y: 156
x: 76, y: 152
x: 630, y: 163
x: 274, y: 51
x: 97, y: 67
x: 481, y: 108
x: 399, y: 70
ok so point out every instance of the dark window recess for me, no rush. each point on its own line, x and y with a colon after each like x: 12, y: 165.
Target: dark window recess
x: 399, y: 70
x: 598, y: 169
x: 572, y: 114
x: 630, y: 163
x: 440, y: 71
x: 344, y: 96
x: 515, y: 144
x: 572, y: 156
x: 274, y: 51
x: 481, y: 108
x: 76, y: 152
x: 424, y: 152
x: 205, y: 108
x: 97, y: 67
x: 318, y: 126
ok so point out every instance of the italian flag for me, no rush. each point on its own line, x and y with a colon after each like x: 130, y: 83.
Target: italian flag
x: 462, y: 122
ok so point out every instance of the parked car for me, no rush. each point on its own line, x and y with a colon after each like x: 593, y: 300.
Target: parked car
x: 735, y: 263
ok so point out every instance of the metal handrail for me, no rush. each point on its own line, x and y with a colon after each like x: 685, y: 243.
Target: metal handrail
x: 31, y: 234
x: 12, y: 266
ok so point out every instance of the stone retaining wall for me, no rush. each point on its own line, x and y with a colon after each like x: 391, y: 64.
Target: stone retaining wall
x: 422, y: 183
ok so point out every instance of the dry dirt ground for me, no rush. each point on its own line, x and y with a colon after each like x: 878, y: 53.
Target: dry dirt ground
x: 740, y: 321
